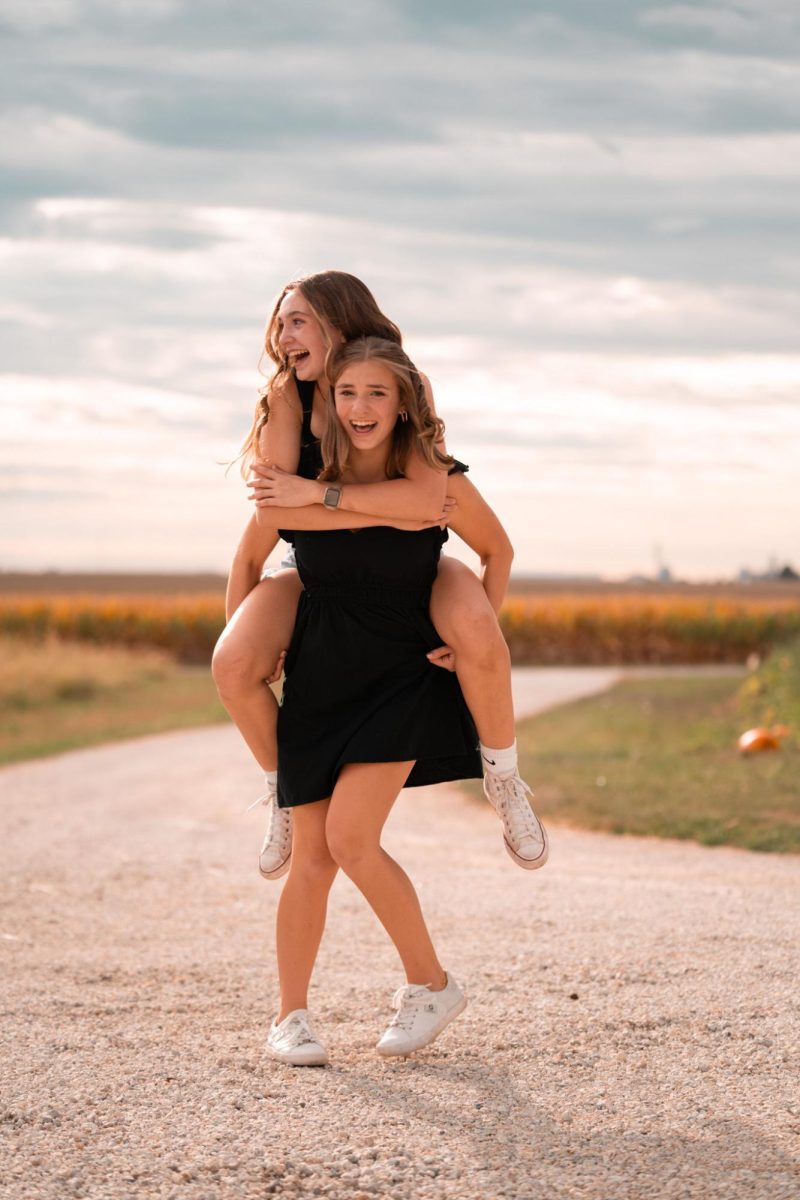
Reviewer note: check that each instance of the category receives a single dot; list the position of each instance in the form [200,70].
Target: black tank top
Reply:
[310,463]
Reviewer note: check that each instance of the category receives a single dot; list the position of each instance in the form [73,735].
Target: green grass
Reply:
[659,757]
[57,696]
[772,694]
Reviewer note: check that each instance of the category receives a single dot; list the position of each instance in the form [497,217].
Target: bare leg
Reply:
[303,905]
[246,654]
[465,620]
[361,802]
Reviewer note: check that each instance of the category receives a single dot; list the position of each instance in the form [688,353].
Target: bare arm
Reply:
[420,496]
[314,516]
[279,440]
[477,525]
[248,561]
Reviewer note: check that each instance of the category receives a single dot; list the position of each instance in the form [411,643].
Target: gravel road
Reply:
[631,1032]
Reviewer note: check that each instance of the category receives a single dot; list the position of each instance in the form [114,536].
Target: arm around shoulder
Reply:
[417,497]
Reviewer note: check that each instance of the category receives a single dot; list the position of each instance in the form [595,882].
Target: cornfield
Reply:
[546,629]
[185,626]
[643,628]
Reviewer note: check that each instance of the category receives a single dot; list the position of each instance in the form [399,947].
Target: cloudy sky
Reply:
[583,215]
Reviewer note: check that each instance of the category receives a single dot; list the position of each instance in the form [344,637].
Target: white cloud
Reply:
[25,314]
[32,137]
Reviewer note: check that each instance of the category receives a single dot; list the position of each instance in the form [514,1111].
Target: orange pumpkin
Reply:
[755,740]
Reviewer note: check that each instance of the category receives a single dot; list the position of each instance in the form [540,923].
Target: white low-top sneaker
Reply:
[294,1041]
[525,835]
[275,855]
[421,1016]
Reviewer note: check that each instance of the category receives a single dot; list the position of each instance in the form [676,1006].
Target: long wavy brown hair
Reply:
[421,431]
[341,303]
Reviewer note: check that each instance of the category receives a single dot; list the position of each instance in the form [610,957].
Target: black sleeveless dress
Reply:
[358,686]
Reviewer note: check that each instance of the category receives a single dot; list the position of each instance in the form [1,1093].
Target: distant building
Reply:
[772,574]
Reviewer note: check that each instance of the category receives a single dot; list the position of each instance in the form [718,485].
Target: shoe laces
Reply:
[410,1000]
[280,826]
[509,798]
[280,820]
[299,1031]
[266,799]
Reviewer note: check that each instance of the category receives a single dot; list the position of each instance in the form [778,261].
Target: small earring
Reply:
[403,415]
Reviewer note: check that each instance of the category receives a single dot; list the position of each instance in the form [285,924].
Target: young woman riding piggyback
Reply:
[312,318]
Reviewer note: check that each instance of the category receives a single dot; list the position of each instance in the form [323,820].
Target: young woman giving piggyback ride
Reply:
[364,711]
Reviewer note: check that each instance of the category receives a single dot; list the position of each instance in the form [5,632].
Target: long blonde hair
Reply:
[341,303]
[421,430]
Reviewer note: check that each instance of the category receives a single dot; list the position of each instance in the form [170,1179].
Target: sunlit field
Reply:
[57,695]
[186,626]
[628,627]
[602,625]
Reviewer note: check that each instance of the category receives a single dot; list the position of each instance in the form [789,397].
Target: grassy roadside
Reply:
[659,757]
[651,757]
[57,696]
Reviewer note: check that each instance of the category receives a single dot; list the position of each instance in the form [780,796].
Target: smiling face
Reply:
[302,338]
[367,396]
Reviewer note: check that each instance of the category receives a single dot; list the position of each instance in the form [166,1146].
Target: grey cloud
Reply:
[749,26]
[198,24]
[614,218]
[759,24]
[284,108]
[242,74]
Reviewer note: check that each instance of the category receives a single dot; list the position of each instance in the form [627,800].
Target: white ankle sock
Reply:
[500,762]
[271,778]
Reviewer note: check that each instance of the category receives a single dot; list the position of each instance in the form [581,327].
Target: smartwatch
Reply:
[332,497]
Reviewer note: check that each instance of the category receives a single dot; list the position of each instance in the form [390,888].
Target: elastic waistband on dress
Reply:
[408,597]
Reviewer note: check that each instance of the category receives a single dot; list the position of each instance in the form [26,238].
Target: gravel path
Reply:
[630,1031]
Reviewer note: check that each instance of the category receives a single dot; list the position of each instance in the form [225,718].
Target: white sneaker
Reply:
[421,1016]
[294,1041]
[275,856]
[525,835]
